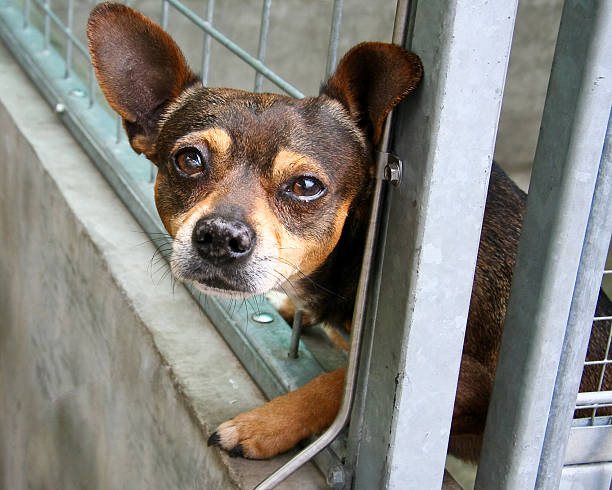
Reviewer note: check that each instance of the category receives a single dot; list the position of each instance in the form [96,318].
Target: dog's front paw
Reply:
[254,435]
[281,423]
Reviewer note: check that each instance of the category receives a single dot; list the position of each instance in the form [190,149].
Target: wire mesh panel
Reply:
[598,365]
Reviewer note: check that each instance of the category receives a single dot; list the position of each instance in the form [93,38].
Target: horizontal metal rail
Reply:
[593,398]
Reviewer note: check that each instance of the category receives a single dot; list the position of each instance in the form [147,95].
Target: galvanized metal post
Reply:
[410,363]
[565,168]
[576,339]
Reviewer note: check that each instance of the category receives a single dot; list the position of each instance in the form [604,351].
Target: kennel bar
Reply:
[415,343]
[576,340]
[334,37]
[568,155]
[263,41]
[210,12]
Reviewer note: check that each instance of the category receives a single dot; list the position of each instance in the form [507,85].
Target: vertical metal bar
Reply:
[27,6]
[210,11]
[47,24]
[576,339]
[92,85]
[68,39]
[118,128]
[334,38]
[408,382]
[565,168]
[296,332]
[164,15]
[263,41]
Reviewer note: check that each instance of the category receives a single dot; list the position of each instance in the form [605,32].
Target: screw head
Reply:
[60,108]
[335,477]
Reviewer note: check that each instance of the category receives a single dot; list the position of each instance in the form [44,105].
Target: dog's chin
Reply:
[221,292]
[213,283]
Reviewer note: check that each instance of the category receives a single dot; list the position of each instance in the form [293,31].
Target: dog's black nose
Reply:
[218,239]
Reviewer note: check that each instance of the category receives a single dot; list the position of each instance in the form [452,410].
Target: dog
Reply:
[263,190]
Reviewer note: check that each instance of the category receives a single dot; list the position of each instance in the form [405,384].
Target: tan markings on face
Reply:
[287,163]
[296,255]
[217,139]
[186,221]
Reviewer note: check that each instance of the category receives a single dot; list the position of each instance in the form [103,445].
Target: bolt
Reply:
[393,172]
[335,477]
[60,108]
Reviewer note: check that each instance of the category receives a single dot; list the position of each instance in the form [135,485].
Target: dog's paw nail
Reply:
[214,439]
[236,451]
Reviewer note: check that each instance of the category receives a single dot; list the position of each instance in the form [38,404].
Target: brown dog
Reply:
[262,190]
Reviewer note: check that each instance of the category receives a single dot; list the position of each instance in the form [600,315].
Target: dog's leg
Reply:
[471,403]
[281,423]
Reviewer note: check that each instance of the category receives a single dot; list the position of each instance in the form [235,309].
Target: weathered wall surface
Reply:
[108,380]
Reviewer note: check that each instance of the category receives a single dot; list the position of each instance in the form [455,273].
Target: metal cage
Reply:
[411,347]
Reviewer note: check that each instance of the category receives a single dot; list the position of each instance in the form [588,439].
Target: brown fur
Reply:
[254,149]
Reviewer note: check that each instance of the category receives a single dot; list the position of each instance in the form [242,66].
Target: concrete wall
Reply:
[108,379]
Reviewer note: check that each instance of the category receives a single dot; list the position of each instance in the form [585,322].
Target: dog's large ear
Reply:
[139,67]
[371,79]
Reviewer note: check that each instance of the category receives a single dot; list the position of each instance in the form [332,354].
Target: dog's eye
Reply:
[305,188]
[189,161]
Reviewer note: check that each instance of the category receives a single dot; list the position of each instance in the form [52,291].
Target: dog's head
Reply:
[254,188]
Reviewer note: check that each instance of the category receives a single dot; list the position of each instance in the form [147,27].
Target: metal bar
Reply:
[441,148]
[68,40]
[334,38]
[579,325]
[93,83]
[263,41]
[237,50]
[164,15]
[562,183]
[27,6]
[47,25]
[210,11]
[296,332]
[416,346]
[118,128]
[597,363]
[593,398]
